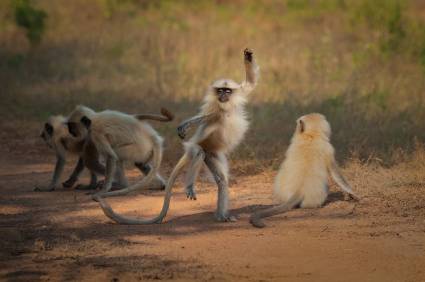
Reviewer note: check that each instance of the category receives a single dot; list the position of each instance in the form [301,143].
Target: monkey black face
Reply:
[47,132]
[223,94]
[86,122]
[73,128]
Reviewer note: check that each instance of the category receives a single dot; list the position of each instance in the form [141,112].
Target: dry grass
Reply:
[361,63]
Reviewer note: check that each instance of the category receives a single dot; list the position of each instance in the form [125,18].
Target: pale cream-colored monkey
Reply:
[303,176]
[221,125]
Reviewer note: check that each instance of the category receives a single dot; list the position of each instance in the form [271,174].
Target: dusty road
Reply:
[63,235]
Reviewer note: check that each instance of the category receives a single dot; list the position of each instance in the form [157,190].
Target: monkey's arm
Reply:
[60,163]
[251,71]
[340,180]
[91,158]
[75,174]
[111,159]
[196,120]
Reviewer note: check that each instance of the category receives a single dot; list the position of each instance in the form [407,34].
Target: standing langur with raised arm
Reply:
[221,125]
[303,176]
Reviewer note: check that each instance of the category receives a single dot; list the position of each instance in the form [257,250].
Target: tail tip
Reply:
[167,113]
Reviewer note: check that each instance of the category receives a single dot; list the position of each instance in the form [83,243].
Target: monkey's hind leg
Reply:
[158,182]
[91,186]
[198,157]
[217,165]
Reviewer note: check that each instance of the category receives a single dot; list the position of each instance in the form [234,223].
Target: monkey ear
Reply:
[49,128]
[86,121]
[302,126]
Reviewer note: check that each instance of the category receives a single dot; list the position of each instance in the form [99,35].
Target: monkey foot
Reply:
[257,222]
[85,187]
[38,189]
[190,193]
[96,197]
[158,185]
[351,197]
[115,185]
[225,218]
[69,183]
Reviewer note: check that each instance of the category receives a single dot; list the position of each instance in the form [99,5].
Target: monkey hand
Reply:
[190,192]
[256,222]
[181,131]
[50,188]
[248,55]
[353,197]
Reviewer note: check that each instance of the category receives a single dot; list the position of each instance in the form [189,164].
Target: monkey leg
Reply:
[109,177]
[75,174]
[120,178]
[217,165]
[197,154]
[60,163]
[158,183]
[91,186]
[91,159]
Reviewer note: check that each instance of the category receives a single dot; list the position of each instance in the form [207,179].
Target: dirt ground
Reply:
[63,235]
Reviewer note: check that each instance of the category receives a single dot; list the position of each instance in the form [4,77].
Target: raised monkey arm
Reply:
[251,71]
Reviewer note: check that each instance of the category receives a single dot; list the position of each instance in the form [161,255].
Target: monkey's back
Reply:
[128,136]
[304,171]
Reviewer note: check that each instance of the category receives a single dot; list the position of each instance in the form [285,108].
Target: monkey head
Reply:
[75,127]
[314,125]
[52,127]
[224,89]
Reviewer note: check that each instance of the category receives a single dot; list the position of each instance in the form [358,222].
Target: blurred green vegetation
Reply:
[359,62]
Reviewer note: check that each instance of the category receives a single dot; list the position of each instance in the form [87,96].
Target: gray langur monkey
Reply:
[303,176]
[221,124]
[56,134]
[121,137]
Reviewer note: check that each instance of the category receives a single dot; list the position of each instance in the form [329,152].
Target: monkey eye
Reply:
[223,90]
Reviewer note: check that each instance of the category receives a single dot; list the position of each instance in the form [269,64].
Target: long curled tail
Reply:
[109,212]
[165,116]
[256,218]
